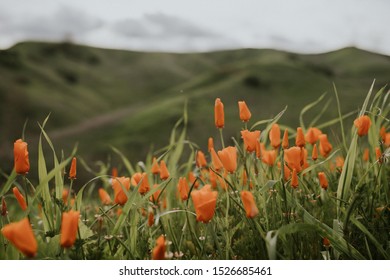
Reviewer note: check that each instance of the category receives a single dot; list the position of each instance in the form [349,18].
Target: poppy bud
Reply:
[210,144]
[69,226]
[72,171]
[204,201]
[363,124]
[21,160]
[249,204]
[300,138]
[3,207]
[323,181]
[274,136]
[20,198]
[104,197]
[158,252]
[183,188]
[285,143]
[245,114]
[314,153]
[228,158]
[250,139]
[219,114]
[155,168]
[164,173]
[294,179]
[200,159]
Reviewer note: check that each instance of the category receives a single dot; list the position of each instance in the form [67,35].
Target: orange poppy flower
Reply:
[104,197]
[158,252]
[204,201]
[274,136]
[269,157]
[312,135]
[20,198]
[325,146]
[292,157]
[217,164]
[382,133]
[228,158]
[259,149]
[366,154]
[155,168]
[210,144]
[250,139]
[219,114]
[304,163]
[314,152]
[387,139]
[21,160]
[363,124]
[245,114]
[144,186]
[183,188]
[69,225]
[222,181]
[300,138]
[249,204]
[213,178]
[323,181]
[164,173]
[136,178]
[119,184]
[200,159]
[21,235]
[72,170]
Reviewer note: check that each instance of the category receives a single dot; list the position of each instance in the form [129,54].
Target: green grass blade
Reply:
[307,108]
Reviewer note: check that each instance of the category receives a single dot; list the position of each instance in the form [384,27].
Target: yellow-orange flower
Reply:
[292,157]
[312,135]
[219,114]
[204,201]
[21,235]
[250,139]
[228,158]
[120,184]
[21,160]
[72,171]
[249,204]
[325,146]
[294,179]
[164,173]
[245,114]
[217,164]
[285,143]
[274,136]
[104,197]
[363,124]
[300,138]
[155,168]
[200,159]
[20,198]
[69,225]
[158,252]
[183,188]
[323,181]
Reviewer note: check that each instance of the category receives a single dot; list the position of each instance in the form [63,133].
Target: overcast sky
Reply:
[305,26]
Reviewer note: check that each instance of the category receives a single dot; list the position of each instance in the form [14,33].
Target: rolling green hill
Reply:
[131,100]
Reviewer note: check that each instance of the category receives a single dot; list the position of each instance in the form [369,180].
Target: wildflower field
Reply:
[278,192]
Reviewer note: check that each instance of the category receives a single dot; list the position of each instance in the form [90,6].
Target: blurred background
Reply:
[117,73]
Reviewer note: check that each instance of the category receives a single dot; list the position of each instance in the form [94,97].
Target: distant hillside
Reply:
[131,100]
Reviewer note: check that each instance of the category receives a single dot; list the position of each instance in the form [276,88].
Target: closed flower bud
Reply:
[285,143]
[210,144]
[217,164]
[104,197]
[312,135]
[292,157]
[200,159]
[155,168]
[249,204]
[21,160]
[144,186]
[323,181]
[3,207]
[269,157]
[362,124]
[20,198]
[120,185]
[21,235]
[150,218]
[274,136]
[325,146]
[294,179]
[183,188]
[366,154]
[73,167]
[164,173]
[69,226]
[314,152]
[219,114]
[300,138]
[245,114]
